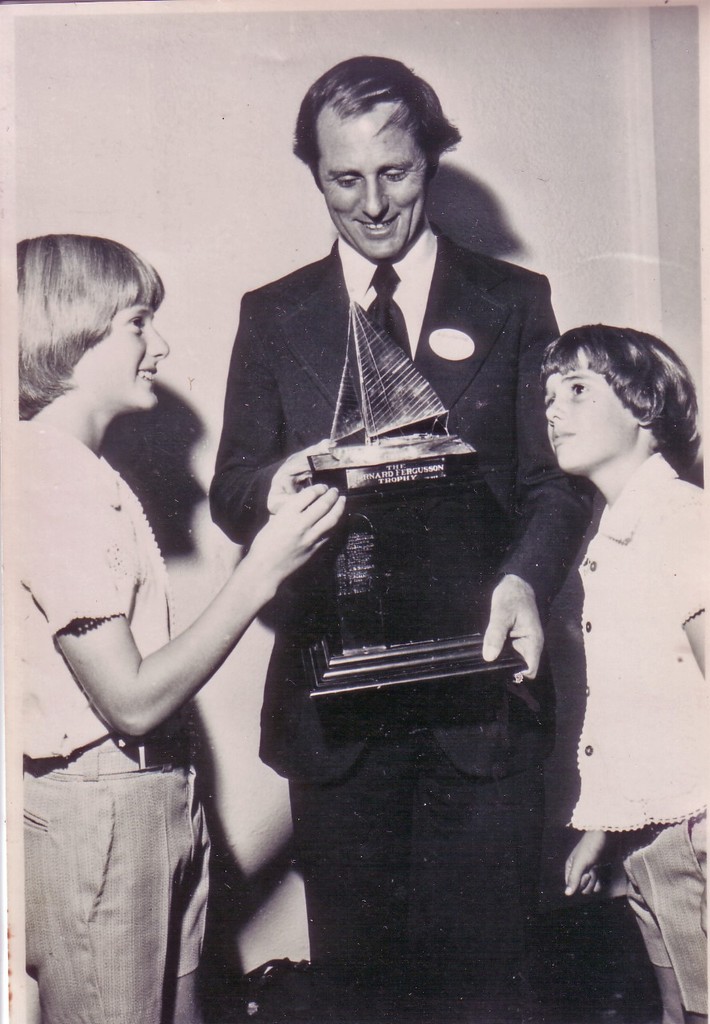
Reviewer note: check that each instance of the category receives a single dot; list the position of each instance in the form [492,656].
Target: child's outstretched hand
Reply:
[581,874]
[297,530]
[291,474]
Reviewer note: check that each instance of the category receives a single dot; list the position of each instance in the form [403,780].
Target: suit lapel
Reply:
[316,326]
[459,300]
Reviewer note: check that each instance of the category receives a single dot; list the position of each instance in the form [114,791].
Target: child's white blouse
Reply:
[643,753]
[86,552]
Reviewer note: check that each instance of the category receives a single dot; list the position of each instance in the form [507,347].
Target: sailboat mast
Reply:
[365,407]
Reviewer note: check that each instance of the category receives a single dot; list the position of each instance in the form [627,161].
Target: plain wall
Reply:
[171,132]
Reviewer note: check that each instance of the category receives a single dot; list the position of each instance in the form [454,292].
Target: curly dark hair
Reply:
[645,374]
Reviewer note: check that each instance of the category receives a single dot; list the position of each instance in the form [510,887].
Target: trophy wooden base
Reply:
[406,664]
[428,685]
[415,563]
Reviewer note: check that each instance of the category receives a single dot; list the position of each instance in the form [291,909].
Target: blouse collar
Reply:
[641,492]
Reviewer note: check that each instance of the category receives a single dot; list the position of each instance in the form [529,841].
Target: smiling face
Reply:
[592,432]
[374,177]
[116,375]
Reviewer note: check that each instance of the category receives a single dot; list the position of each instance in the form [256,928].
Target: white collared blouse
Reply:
[643,752]
[86,552]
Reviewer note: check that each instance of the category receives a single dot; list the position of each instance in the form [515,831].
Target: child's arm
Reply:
[134,695]
[695,631]
[581,865]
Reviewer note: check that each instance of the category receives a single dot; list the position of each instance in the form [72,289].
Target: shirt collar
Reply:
[77,459]
[619,521]
[358,270]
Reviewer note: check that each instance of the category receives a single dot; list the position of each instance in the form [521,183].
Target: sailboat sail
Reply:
[381,391]
[348,417]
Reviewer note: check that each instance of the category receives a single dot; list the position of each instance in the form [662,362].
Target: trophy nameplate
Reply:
[421,542]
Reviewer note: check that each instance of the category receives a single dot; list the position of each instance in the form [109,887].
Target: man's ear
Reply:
[432,168]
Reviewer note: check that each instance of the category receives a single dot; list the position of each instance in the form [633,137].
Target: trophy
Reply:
[422,540]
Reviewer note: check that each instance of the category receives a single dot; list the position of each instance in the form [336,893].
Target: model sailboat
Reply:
[386,409]
[381,391]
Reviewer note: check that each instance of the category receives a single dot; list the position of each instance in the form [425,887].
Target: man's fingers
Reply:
[493,640]
[526,646]
[530,651]
[320,447]
[514,614]
[297,466]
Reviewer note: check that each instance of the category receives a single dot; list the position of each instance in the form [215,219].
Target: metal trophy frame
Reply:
[421,543]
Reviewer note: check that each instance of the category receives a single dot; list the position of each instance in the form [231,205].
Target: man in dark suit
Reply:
[419,844]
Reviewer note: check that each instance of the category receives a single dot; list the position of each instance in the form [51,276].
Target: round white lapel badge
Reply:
[449,343]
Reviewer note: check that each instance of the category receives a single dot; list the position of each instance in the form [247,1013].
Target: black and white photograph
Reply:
[353,540]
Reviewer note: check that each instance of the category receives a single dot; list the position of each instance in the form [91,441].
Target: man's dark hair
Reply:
[647,377]
[357,85]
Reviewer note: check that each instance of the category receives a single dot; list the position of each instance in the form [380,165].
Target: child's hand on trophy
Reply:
[293,474]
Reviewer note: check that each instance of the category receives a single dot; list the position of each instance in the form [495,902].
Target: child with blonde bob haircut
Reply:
[116,849]
[622,412]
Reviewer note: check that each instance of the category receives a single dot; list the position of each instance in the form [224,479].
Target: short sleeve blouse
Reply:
[87,552]
[643,750]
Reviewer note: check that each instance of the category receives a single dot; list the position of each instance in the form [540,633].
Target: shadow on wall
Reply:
[235,898]
[151,451]
[466,210]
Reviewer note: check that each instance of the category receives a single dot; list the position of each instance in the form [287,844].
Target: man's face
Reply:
[374,179]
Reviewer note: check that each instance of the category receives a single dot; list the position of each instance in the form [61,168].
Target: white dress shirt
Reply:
[415,272]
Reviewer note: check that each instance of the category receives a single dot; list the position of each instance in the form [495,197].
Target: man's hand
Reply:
[581,866]
[294,471]
[514,613]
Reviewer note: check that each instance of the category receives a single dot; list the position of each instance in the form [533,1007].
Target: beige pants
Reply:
[116,890]
[666,889]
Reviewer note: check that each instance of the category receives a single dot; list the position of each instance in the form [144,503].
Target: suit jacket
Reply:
[281,394]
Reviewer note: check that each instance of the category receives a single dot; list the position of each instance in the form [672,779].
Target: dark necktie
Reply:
[384,310]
